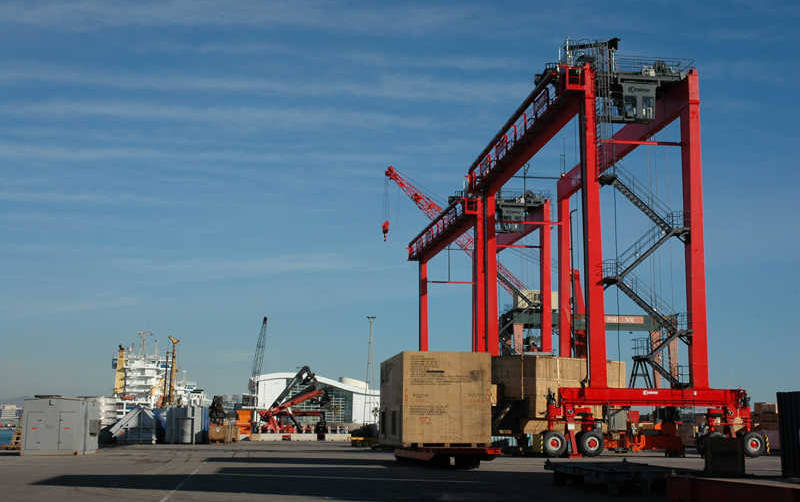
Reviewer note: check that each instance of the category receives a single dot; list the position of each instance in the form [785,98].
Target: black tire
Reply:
[590,443]
[554,444]
[754,444]
[440,461]
[701,441]
[467,462]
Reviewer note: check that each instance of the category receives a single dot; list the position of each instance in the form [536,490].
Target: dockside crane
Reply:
[251,399]
[508,281]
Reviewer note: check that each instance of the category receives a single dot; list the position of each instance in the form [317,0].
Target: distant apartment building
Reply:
[9,414]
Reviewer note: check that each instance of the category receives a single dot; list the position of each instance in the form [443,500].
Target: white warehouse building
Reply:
[350,401]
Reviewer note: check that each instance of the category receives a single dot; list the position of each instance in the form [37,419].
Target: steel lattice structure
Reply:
[656,93]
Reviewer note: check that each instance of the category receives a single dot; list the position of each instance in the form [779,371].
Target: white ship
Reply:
[142,378]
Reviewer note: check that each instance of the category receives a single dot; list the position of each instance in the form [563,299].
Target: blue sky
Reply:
[188,167]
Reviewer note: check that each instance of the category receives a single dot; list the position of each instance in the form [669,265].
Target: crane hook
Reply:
[385,228]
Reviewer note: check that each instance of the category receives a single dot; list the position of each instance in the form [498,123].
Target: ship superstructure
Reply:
[141,377]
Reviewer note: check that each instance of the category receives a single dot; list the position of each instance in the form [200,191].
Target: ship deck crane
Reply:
[173,373]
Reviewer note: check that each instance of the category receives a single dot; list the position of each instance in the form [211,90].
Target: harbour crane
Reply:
[258,364]
[508,281]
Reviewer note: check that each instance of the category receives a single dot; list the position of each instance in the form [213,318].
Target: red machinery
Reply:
[600,88]
[280,418]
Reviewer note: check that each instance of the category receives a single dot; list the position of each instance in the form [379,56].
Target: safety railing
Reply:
[644,193]
[644,244]
[535,106]
[449,215]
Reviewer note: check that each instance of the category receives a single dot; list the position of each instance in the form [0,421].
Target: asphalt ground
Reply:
[298,472]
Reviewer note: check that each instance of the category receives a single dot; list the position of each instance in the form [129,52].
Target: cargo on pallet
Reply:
[530,378]
[226,433]
[436,399]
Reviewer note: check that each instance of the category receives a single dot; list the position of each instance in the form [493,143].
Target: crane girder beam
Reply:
[560,112]
[508,281]
[451,231]
[682,398]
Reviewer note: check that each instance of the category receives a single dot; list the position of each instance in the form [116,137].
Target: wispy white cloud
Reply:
[335,16]
[393,86]
[194,160]
[448,61]
[103,198]
[222,117]
[21,308]
[201,269]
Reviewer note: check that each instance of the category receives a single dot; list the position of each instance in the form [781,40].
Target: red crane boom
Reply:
[508,281]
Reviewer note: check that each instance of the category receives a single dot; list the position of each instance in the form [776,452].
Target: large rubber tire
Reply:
[754,444]
[467,462]
[554,444]
[590,443]
[701,441]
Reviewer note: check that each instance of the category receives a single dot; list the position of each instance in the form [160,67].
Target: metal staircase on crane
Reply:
[618,272]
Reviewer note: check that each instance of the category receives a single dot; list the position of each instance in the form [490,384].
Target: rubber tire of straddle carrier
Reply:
[750,438]
[549,449]
[467,462]
[590,443]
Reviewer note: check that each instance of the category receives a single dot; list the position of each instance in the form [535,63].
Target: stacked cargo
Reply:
[436,399]
[765,420]
[529,379]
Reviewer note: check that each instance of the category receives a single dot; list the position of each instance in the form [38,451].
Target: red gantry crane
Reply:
[515,287]
[620,104]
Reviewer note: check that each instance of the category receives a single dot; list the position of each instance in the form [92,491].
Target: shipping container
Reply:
[55,425]
[789,427]
[436,399]
[187,425]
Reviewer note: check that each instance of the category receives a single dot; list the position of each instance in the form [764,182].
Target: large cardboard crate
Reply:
[530,378]
[436,399]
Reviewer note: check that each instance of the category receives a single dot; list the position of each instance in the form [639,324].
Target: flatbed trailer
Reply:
[614,475]
[463,457]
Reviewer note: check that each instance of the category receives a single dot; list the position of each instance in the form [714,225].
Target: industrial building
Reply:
[350,400]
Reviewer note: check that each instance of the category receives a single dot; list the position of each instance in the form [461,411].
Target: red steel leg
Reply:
[564,280]
[695,249]
[579,341]
[545,283]
[655,339]
[423,306]
[490,274]
[479,283]
[592,238]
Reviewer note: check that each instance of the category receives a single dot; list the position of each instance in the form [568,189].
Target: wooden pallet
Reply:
[445,445]
[16,440]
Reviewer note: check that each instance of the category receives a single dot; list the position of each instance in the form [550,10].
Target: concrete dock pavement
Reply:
[292,471]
